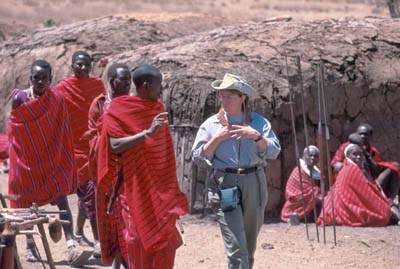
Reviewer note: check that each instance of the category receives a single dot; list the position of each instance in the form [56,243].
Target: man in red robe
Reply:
[293,194]
[42,165]
[135,128]
[98,107]
[357,200]
[79,91]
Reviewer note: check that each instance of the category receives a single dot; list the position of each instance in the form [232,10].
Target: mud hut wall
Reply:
[101,37]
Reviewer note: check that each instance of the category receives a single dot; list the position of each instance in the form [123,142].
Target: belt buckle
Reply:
[241,171]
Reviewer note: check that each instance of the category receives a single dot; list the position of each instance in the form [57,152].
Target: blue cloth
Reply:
[232,152]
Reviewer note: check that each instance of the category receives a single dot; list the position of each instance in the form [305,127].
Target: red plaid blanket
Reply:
[293,201]
[42,165]
[79,94]
[357,201]
[150,183]
[3,147]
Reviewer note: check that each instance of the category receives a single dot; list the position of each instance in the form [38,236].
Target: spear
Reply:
[328,156]
[321,149]
[307,143]
[296,147]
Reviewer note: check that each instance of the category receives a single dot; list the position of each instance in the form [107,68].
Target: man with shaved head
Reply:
[110,225]
[79,90]
[136,144]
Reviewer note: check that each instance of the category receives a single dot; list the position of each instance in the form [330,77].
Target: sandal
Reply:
[82,240]
[78,257]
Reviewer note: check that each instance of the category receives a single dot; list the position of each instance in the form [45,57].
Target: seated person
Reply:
[293,198]
[357,200]
[387,174]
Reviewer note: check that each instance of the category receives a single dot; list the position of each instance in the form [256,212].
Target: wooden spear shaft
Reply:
[298,62]
[328,156]
[321,149]
[296,147]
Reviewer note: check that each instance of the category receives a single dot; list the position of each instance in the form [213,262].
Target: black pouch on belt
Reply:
[230,198]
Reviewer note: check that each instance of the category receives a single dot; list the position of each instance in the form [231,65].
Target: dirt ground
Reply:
[279,246]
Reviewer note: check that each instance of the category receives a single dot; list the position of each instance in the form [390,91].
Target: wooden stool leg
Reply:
[17,262]
[46,245]
[1,252]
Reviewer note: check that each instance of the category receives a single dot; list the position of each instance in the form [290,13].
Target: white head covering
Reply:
[346,151]
[310,147]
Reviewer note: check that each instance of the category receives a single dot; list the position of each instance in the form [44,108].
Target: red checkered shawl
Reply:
[357,201]
[293,201]
[79,94]
[42,165]
[150,182]
[3,147]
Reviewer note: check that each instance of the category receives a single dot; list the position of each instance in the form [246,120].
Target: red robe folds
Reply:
[3,147]
[96,110]
[153,198]
[79,94]
[357,201]
[42,164]
[293,201]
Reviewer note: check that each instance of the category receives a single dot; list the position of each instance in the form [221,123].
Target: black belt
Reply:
[241,171]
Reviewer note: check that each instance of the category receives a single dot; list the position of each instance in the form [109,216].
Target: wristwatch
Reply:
[258,138]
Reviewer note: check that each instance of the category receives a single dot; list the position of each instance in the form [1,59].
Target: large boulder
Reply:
[361,58]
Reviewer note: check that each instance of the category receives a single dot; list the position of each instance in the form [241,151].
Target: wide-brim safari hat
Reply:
[233,82]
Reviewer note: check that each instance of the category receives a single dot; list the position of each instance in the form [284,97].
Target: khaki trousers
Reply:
[241,226]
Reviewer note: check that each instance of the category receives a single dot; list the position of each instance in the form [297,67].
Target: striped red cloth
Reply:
[357,201]
[293,201]
[95,112]
[3,147]
[42,165]
[375,154]
[137,256]
[150,182]
[112,226]
[79,94]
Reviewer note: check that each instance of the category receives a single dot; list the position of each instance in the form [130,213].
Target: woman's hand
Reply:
[158,122]
[223,134]
[244,132]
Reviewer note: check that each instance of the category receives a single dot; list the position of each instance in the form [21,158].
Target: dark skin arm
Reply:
[375,170]
[120,145]
[14,102]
